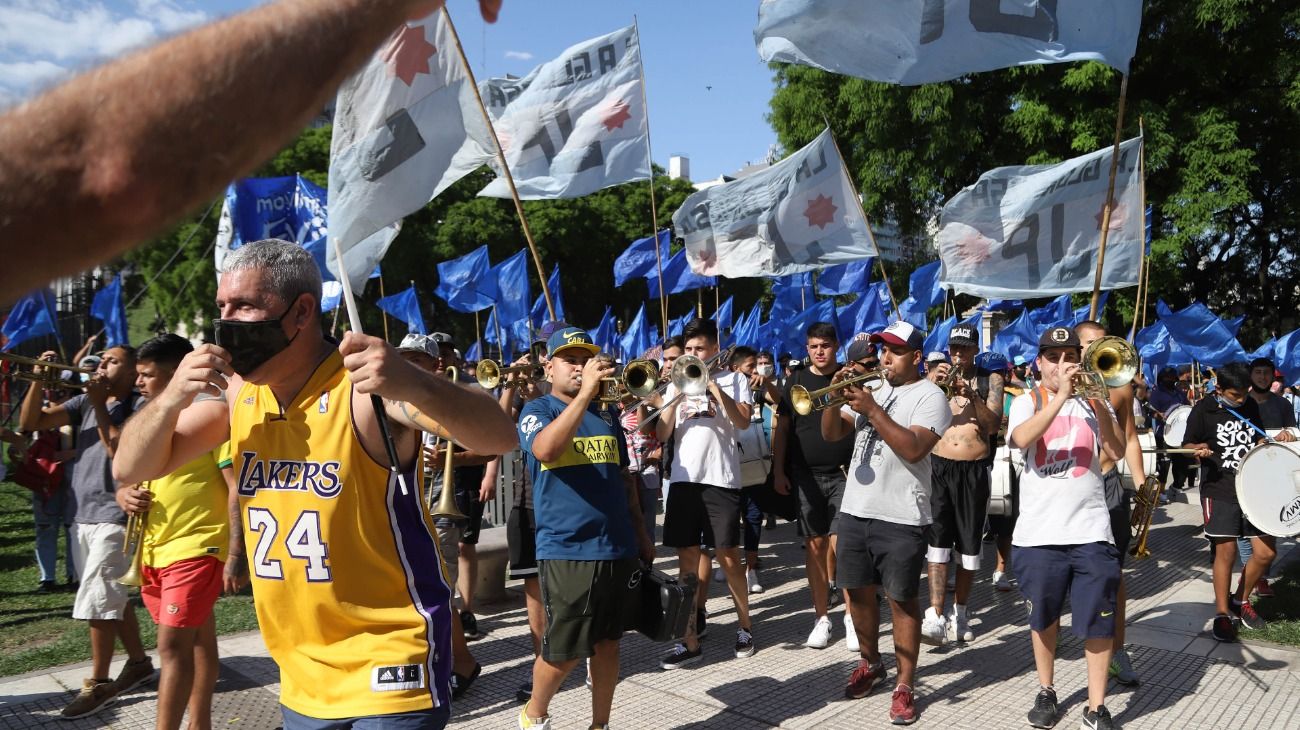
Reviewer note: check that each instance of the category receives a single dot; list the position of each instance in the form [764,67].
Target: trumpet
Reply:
[1110,362]
[490,374]
[133,546]
[640,379]
[50,377]
[946,382]
[806,401]
[446,506]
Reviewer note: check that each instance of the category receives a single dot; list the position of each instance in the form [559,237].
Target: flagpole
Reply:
[478,332]
[501,343]
[699,302]
[505,168]
[1110,198]
[1144,262]
[382,311]
[654,210]
[880,260]
[334,326]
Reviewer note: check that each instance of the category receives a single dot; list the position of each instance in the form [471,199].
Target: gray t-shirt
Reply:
[92,471]
[882,486]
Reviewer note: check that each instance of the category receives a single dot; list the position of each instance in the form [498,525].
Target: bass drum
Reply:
[1176,426]
[1000,481]
[1268,488]
[1147,440]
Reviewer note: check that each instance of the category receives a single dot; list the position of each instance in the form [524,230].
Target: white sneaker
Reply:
[719,576]
[850,634]
[820,637]
[934,628]
[1000,581]
[959,629]
[751,576]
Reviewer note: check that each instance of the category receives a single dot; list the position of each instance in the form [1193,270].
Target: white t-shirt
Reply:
[882,486]
[704,438]
[1062,500]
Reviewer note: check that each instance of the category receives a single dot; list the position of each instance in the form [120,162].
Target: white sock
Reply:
[959,611]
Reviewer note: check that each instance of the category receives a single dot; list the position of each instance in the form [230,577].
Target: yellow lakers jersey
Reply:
[350,595]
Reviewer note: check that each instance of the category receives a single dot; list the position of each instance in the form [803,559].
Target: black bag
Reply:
[662,606]
[769,501]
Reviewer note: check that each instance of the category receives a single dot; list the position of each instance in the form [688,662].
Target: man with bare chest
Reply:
[960,487]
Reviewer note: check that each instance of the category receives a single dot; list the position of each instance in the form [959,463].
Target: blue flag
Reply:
[1234,324]
[31,316]
[108,308]
[1020,337]
[638,338]
[539,314]
[913,312]
[1201,333]
[678,325]
[475,352]
[678,277]
[1267,350]
[639,259]
[937,340]
[868,313]
[794,331]
[405,305]
[722,317]
[791,294]
[1147,250]
[606,333]
[1004,305]
[1081,314]
[746,330]
[507,286]
[457,279]
[1056,312]
[495,334]
[923,285]
[1286,356]
[847,278]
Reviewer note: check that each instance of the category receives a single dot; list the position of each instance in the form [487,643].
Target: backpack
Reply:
[39,471]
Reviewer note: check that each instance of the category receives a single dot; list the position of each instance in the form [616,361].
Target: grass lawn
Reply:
[1282,611]
[37,631]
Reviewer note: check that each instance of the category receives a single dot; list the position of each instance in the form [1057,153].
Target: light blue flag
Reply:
[405,305]
[925,41]
[606,333]
[794,331]
[1019,338]
[846,278]
[937,340]
[637,338]
[677,326]
[506,284]
[914,313]
[1201,333]
[475,352]
[539,313]
[109,309]
[722,318]
[1054,313]
[678,277]
[746,329]
[1268,350]
[640,260]
[457,281]
[797,215]
[923,285]
[1234,324]
[1286,356]
[495,334]
[31,316]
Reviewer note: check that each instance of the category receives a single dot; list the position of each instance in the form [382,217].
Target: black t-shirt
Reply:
[806,448]
[1228,437]
[1275,411]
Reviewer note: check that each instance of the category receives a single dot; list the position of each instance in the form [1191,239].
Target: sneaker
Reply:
[1000,581]
[1246,614]
[934,628]
[469,625]
[133,675]
[532,723]
[1223,628]
[958,629]
[680,656]
[525,692]
[864,677]
[1263,589]
[93,697]
[47,586]
[751,577]
[745,643]
[719,576]
[902,710]
[1099,720]
[460,683]
[820,637]
[1121,668]
[1044,713]
[850,634]
[701,624]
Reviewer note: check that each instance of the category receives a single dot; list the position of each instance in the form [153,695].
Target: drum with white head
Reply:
[1268,488]
[1176,426]
[1004,460]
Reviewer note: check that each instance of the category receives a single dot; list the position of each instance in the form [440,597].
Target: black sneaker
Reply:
[1044,713]
[701,624]
[1246,614]
[461,684]
[469,625]
[525,692]
[744,643]
[47,586]
[680,656]
[1223,628]
[1099,720]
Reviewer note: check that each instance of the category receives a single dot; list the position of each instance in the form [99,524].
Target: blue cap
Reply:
[570,337]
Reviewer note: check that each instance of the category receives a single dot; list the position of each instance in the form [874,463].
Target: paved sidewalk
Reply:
[1189,680]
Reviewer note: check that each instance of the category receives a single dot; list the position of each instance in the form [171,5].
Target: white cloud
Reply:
[24,74]
[519,55]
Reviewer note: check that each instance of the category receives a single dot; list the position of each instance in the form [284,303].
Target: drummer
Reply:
[1223,428]
[1166,397]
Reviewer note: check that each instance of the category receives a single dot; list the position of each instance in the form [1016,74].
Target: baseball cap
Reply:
[415,342]
[89,361]
[570,337]
[936,356]
[1058,337]
[1019,360]
[439,338]
[963,334]
[901,333]
[548,329]
[861,348]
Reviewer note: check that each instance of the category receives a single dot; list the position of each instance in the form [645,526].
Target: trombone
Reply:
[51,376]
[690,375]
[1110,362]
[806,401]
[133,546]
[446,507]
[640,379]
[490,374]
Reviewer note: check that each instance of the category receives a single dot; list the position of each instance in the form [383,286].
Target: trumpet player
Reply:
[96,418]
[185,550]
[882,526]
[960,478]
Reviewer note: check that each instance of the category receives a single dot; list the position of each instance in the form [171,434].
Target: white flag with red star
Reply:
[798,215]
[1028,231]
[575,124]
[406,126]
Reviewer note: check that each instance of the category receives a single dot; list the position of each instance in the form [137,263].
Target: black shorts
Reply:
[1121,516]
[1224,518]
[586,601]
[820,495]
[521,542]
[1005,525]
[875,552]
[693,509]
[959,499]
[1088,574]
[469,505]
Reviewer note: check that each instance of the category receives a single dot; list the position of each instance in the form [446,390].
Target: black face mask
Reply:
[251,344]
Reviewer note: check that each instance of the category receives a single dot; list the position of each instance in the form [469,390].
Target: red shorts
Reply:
[182,594]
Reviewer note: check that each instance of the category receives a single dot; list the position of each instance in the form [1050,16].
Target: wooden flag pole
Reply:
[501,343]
[334,325]
[478,331]
[654,211]
[1144,262]
[505,169]
[381,296]
[1110,199]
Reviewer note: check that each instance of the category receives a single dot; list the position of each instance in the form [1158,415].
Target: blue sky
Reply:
[707,89]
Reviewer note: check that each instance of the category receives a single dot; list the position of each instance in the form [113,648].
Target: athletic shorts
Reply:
[586,602]
[449,549]
[521,539]
[468,529]
[182,594]
[1121,517]
[820,495]
[694,508]
[99,553]
[875,552]
[1088,574]
[959,499]
[432,719]
[1224,518]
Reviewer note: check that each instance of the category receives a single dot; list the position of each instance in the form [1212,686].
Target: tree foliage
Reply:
[1216,85]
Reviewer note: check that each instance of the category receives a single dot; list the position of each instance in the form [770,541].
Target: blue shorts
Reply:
[1088,574]
[432,719]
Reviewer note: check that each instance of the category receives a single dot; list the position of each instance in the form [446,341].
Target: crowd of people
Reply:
[260,459]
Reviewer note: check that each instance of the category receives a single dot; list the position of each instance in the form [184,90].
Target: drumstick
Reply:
[1169,451]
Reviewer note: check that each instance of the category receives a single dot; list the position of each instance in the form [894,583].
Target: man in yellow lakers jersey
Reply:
[589,528]
[343,558]
[186,541]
